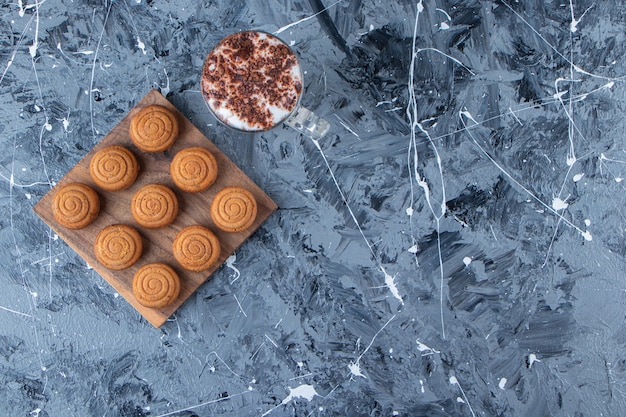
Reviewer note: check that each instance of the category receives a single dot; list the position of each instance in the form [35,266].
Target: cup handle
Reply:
[305,121]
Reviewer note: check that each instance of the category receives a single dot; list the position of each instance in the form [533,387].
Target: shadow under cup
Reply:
[252,81]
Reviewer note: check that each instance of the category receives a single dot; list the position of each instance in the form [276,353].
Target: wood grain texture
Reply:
[193,209]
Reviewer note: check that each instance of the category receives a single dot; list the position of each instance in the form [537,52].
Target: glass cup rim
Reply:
[300,71]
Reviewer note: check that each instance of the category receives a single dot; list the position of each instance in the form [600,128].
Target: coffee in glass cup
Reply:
[252,81]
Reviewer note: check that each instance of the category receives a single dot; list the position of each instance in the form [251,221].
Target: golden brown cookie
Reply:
[154,129]
[233,209]
[118,246]
[156,285]
[193,169]
[114,168]
[154,206]
[196,248]
[75,205]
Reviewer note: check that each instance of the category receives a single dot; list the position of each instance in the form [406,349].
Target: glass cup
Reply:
[252,81]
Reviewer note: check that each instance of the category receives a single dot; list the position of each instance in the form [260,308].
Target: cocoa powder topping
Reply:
[253,77]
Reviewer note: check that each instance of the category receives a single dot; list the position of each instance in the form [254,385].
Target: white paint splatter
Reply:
[33,49]
[445,14]
[578,177]
[587,222]
[587,236]
[413,249]
[240,306]
[66,123]
[390,282]
[573,26]
[515,117]
[532,358]
[502,384]
[141,45]
[558,204]
[444,26]
[348,128]
[271,341]
[355,369]
[409,211]
[467,260]
[427,349]
[230,263]
[165,90]
[304,391]
[14,311]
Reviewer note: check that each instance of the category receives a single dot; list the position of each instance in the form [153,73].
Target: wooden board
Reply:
[194,209]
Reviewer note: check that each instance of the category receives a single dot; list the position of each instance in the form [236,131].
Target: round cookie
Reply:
[193,169]
[75,205]
[196,248]
[114,168]
[154,129]
[233,209]
[156,285]
[118,246]
[154,206]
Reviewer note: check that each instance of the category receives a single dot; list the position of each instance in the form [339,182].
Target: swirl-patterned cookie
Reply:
[233,209]
[156,285]
[154,206]
[118,246]
[114,168]
[196,248]
[154,129]
[75,205]
[193,169]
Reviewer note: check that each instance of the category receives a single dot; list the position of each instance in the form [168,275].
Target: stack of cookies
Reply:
[154,206]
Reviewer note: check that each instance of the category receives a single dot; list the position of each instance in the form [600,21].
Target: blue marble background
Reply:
[455,247]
